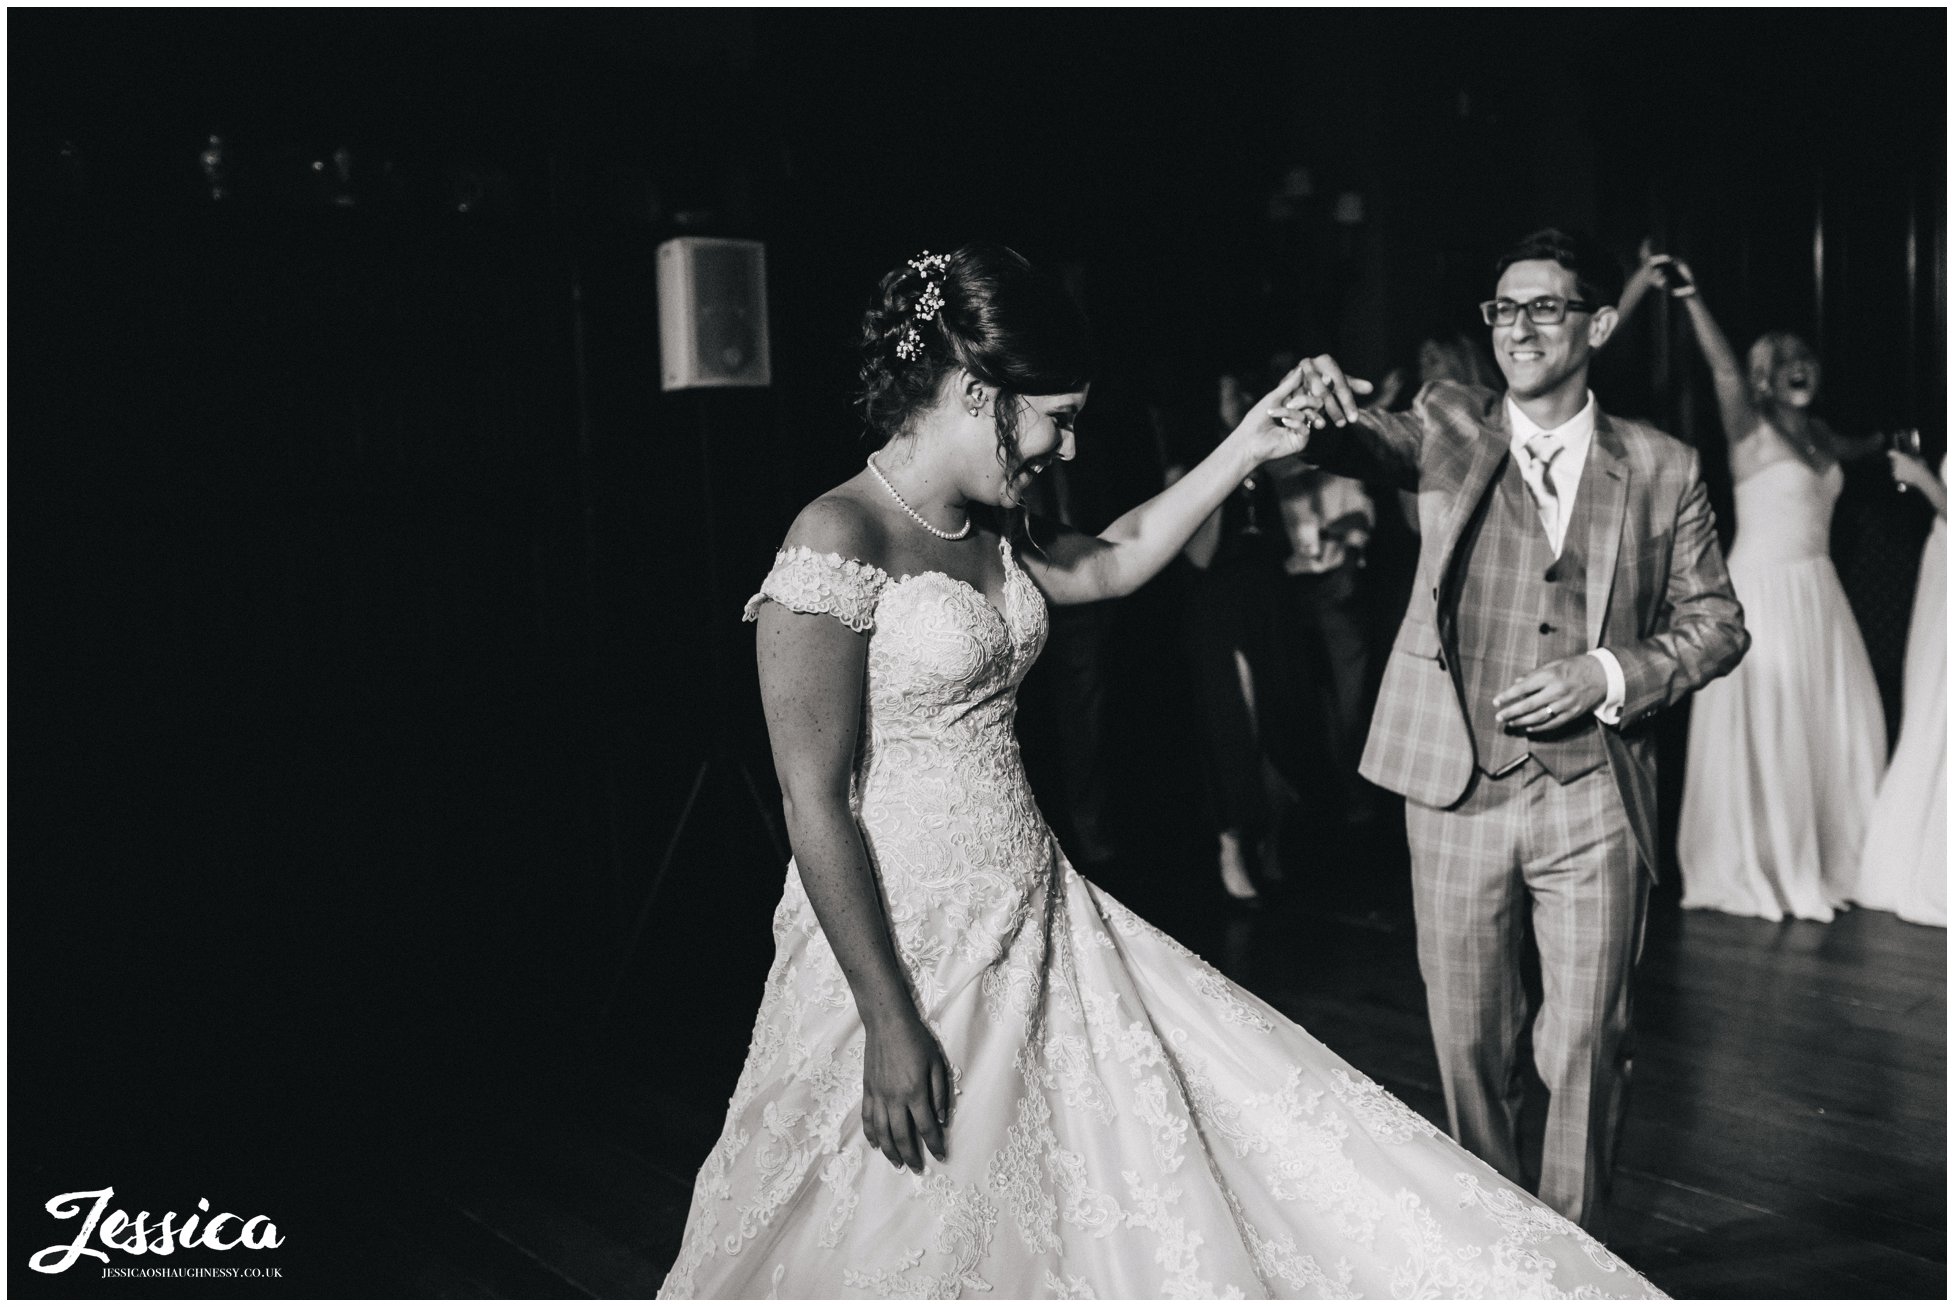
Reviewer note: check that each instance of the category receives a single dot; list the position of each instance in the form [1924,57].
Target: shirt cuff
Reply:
[1610,711]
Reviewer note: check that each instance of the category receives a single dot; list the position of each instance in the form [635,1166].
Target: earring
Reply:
[976,410]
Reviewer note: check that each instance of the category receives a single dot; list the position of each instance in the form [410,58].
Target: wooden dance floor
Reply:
[1786,1139]
[1787,1132]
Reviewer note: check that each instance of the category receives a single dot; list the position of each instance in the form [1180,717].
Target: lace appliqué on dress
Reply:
[1379,1111]
[807,582]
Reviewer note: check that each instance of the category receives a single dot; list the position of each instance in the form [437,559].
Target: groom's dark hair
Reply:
[1597,272]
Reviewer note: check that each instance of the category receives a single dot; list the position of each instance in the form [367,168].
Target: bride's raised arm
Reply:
[1075,568]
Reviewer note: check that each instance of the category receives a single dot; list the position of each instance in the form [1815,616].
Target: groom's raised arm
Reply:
[1365,442]
[1701,635]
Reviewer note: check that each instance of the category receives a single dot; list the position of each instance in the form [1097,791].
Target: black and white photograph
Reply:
[862,653]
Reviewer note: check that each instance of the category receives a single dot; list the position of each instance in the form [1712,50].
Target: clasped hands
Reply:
[1322,395]
[1666,272]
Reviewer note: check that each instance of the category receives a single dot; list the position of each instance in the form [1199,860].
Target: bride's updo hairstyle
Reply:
[985,309]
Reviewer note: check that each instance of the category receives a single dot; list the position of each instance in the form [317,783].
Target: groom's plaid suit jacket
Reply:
[1658,596]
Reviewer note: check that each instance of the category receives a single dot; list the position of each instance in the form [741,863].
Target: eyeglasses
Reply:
[1543,311]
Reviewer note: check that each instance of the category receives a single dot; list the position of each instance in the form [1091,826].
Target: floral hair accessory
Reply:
[932,267]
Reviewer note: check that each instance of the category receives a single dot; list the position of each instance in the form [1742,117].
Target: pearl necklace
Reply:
[920,519]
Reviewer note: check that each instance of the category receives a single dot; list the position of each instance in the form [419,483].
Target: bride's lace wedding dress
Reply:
[1127,1122]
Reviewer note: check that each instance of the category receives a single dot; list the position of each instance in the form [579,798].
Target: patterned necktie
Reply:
[1543,449]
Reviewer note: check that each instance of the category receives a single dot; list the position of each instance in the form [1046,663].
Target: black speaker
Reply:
[712,313]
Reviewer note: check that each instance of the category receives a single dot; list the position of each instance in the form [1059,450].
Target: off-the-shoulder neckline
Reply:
[1004,550]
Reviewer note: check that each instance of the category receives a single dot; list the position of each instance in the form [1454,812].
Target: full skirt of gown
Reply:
[1904,866]
[1126,1122]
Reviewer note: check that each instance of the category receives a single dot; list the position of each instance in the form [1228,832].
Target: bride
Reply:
[973,1072]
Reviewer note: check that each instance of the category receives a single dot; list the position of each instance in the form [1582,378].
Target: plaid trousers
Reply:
[1516,851]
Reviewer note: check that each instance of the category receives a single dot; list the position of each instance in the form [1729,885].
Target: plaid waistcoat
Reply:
[1518,608]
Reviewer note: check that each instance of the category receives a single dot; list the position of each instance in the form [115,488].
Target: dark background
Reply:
[373,610]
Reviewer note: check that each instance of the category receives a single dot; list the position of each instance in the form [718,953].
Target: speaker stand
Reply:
[721,757]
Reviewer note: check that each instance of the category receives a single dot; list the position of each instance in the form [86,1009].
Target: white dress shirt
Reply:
[1574,437]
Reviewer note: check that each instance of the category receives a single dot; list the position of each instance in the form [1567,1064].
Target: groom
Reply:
[1569,587]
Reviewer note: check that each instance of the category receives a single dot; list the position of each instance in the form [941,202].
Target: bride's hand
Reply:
[1279,424]
[905,1092]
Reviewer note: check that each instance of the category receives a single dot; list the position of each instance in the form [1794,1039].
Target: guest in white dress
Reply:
[973,1073]
[1784,753]
[1904,867]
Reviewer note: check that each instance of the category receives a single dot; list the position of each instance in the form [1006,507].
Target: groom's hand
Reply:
[1550,697]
